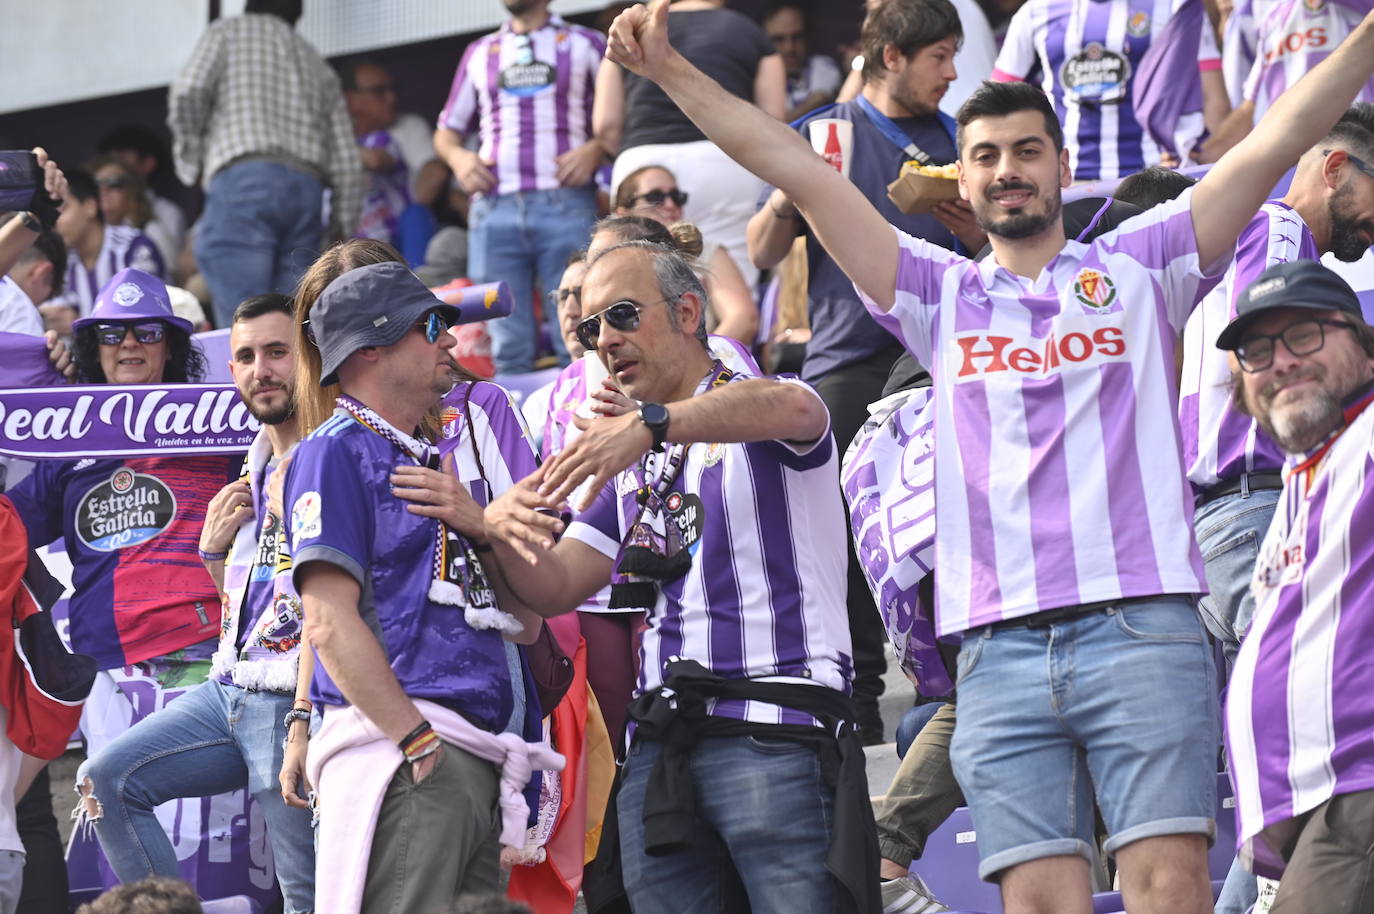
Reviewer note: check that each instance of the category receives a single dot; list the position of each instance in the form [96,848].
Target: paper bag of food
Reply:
[919,187]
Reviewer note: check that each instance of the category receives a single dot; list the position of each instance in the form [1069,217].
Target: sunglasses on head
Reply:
[622,316]
[657,197]
[114,334]
[433,324]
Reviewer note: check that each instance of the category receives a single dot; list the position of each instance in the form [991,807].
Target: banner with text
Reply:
[103,420]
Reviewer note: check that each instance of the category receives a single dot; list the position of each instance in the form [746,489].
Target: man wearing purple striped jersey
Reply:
[1062,540]
[1232,464]
[526,92]
[95,252]
[1083,53]
[1299,713]
[714,506]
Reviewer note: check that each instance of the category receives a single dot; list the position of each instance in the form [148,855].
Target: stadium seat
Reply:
[949,867]
[237,904]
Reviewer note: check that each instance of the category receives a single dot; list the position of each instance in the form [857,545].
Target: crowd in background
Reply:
[507,667]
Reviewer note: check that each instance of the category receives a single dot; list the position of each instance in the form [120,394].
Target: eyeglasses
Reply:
[114,334]
[1302,338]
[622,316]
[657,197]
[433,324]
[112,183]
[1360,164]
[558,296]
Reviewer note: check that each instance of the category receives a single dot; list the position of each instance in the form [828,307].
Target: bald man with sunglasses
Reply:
[714,507]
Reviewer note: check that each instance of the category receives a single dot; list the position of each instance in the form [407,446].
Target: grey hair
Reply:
[676,277]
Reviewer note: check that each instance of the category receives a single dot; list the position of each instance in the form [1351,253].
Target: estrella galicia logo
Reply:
[526,79]
[127,509]
[688,515]
[1096,74]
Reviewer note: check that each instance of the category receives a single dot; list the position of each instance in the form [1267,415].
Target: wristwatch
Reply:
[31,222]
[655,417]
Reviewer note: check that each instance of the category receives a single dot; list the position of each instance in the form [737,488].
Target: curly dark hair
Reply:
[185,360]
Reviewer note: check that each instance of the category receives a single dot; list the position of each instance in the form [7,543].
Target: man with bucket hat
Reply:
[405,613]
[1298,709]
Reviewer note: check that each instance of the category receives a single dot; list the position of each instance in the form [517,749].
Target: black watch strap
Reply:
[655,418]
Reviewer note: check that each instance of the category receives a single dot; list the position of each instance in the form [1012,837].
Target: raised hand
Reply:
[606,446]
[523,519]
[638,38]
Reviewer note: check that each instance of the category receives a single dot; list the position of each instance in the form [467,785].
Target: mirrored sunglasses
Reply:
[114,334]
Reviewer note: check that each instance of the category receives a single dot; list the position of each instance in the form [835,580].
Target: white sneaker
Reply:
[909,895]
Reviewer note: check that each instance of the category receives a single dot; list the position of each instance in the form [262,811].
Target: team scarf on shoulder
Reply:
[458,576]
[652,553]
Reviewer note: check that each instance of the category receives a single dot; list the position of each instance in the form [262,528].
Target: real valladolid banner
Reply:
[102,420]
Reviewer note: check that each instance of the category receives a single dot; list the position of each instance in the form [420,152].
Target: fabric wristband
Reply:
[212,556]
[294,715]
[419,742]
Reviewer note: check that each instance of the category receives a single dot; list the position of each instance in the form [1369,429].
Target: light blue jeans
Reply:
[524,240]
[260,230]
[764,811]
[1118,704]
[213,739]
[1230,530]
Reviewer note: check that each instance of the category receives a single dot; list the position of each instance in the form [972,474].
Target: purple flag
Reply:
[1168,85]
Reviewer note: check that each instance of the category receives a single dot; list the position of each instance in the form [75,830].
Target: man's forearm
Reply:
[770,231]
[754,410]
[15,239]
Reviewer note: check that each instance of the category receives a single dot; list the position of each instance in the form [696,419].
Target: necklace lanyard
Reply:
[894,134]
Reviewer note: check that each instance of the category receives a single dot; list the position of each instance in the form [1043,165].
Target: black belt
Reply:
[1245,482]
[1046,618]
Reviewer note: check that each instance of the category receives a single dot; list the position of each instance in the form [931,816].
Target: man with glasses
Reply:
[526,91]
[1298,708]
[715,505]
[404,612]
[228,732]
[371,97]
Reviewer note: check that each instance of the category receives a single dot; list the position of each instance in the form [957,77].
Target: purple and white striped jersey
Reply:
[1059,474]
[530,98]
[1240,45]
[1293,37]
[888,479]
[1300,703]
[1083,54]
[1219,442]
[124,246]
[764,598]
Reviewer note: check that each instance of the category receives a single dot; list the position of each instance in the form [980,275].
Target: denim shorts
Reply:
[1119,704]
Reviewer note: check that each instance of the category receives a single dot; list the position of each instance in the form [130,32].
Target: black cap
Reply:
[373,305]
[1297,284]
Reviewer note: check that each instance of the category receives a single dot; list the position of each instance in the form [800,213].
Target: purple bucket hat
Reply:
[133,295]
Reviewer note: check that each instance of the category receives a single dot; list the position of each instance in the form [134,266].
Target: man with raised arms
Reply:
[1066,557]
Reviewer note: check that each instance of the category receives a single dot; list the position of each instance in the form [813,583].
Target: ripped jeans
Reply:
[213,739]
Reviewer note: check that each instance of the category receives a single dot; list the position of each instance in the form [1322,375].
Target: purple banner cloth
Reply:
[102,420]
[1168,85]
[25,362]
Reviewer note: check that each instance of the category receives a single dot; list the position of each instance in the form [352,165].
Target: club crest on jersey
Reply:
[449,417]
[1139,24]
[714,454]
[1094,290]
[1314,7]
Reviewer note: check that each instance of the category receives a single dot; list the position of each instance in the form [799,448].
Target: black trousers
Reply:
[847,392]
[45,868]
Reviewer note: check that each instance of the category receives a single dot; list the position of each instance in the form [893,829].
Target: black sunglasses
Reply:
[622,316]
[656,197]
[1302,338]
[114,334]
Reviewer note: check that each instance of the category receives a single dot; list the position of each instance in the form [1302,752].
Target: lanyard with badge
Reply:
[894,134]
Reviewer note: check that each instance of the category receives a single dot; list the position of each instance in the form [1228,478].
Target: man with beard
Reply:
[1066,557]
[1234,467]
[1298,712]
[228,732]
[909,48]
[526,91]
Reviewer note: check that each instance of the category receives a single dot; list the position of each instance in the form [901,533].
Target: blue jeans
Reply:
[213,739]
[516,239]
[764,812]
[260,230]
[1118,703]
[1230,530]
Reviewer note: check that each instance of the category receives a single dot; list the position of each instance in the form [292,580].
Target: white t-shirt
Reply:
[18,313]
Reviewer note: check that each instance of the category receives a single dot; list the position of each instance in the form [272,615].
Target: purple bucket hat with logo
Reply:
[133,295]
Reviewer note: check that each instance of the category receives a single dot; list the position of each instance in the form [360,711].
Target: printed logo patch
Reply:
[449,418]
[127,509]
[305,516]
[1096,74]
[127,294]
[1094,290]
[687,515]
[714,454]
[1139,24]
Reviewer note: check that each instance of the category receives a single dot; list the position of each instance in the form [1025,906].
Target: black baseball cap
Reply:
[373,305]
[1296,284]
